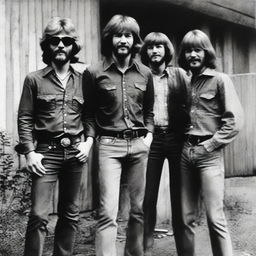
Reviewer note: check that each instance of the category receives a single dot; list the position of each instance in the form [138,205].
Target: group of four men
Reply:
[138,117]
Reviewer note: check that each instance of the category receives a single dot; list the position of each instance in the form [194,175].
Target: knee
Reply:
[69,215]
[37,222]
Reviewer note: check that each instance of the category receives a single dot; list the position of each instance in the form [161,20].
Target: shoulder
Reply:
[142,68]
[94,68]
[222,78]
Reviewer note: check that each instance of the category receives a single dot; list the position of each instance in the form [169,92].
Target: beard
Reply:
[157,62]
[121,53]
[60,57]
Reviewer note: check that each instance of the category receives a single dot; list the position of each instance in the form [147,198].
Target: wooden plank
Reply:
[32,36]
[15,65]
[38,32]
[3,65]
[240,12]
[228,52]
[54,8]
[87,35]
[95,32]
[252,52]
[240,156]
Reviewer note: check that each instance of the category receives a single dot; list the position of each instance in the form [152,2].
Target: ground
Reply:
[240,208]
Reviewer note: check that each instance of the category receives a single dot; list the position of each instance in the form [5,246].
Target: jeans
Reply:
[165,145]
[203,171]
[60,165]
[116,156]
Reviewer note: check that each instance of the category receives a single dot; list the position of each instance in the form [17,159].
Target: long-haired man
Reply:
[216,118]
[54,137]
[170,119]
[122,96]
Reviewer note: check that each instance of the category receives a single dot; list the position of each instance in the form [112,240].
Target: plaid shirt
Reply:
[161,117]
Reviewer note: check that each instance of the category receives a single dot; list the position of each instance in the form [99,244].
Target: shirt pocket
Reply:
[209,101]
[77,103]
[46,102]
[140,86]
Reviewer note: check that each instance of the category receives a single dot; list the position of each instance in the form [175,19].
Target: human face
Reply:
[156,54]
[61,48]
[122,44]
[195,58]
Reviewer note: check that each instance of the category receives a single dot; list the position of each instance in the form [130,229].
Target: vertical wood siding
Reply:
[21,26]
[240,155]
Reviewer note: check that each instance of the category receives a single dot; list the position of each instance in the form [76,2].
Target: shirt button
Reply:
[191,126]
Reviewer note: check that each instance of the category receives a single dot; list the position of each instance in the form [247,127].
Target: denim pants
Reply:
[60,165]
[203,172]
[116,156]
[165,145]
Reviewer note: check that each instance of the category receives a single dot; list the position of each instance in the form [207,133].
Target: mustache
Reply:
[59,51]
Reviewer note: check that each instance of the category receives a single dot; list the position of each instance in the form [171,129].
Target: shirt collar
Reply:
[108,62]
[49,69]
[209,72]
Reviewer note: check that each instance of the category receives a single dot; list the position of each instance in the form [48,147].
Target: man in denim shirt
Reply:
[216,118]
[121,95]
[52,128]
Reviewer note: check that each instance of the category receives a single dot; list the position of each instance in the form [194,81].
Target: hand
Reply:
[34,163]
[84,148]
[148,139]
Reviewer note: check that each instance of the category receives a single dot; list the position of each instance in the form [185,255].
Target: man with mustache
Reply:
[55,138]
[121,95]
[216,118]
[170,119]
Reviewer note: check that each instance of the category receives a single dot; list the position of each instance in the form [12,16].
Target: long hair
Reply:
[157,38]
[117,24]
[54,27]
[197,39]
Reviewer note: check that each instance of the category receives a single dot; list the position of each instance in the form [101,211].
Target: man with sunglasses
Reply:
[55,138]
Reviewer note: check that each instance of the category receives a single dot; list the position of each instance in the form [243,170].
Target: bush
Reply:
[14,197]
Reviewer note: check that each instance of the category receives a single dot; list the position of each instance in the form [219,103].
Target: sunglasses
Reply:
[55,40]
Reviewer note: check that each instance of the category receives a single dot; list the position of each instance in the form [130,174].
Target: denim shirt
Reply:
[119,100]
[215,109]
[47,108]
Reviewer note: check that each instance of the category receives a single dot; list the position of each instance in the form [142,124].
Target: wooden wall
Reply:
[22,23]
[240,155]
[21,26]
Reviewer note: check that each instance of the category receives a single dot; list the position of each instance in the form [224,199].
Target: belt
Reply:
[195,140]
[125,134]
[63,141]
[162,129]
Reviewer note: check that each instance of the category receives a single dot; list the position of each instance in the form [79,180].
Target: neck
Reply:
[61,69]
[157,69]
[196,72]
[122,63]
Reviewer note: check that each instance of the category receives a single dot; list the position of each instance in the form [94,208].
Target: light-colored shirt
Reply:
[161,90]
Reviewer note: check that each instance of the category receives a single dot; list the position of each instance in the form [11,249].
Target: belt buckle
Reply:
[65,142]
[127,134]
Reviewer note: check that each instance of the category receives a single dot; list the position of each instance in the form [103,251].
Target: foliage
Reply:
[14,196]
[14,183]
